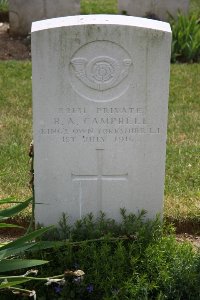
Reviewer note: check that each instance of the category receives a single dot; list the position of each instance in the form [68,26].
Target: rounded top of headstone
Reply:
[100,20]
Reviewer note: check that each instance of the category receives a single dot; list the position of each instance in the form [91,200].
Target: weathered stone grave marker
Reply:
[23,12]
[159,9]
[100,97]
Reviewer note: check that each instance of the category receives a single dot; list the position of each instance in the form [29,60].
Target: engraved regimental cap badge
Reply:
[100,71]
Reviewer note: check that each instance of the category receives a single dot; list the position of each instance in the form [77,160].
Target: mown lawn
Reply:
[15,127]
[182,192]
[99,7]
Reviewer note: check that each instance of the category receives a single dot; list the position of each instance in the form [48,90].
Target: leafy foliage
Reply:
[3,5]
[135,259]
[186,38]
[9,252]
[89,228]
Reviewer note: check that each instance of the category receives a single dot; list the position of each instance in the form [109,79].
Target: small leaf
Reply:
[13,251]
[7,265]
[29,237]
[9,212]
[9,200]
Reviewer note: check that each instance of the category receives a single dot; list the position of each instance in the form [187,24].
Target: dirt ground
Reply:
[13,48]
[19,49]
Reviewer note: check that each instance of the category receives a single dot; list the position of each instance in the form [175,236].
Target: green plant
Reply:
[90,228]
[3,6]
[186,38]
[9,252]
[12,255]
[134,259]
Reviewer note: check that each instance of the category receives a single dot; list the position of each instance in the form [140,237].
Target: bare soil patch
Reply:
[16,48]
[185,237]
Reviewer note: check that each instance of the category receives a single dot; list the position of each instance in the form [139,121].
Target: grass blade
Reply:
[26,238]
[9,200]
[9,212]
[5,225]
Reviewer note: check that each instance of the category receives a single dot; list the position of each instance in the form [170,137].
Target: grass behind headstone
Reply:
[15,128]
[183,151]
[99,7]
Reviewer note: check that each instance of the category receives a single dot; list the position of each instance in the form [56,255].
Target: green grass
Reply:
[182,192]
[195,6]
[15,128]
[183,151]
[99,7]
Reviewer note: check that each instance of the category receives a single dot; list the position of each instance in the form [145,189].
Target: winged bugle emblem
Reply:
[102,72]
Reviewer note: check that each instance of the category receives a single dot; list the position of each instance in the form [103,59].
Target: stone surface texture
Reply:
[100,101]
[23,12]
[159,9]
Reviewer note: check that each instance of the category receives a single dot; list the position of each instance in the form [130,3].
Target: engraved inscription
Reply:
[99,125]
[100,71]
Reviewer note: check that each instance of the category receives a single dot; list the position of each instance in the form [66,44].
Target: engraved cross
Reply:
[99,177]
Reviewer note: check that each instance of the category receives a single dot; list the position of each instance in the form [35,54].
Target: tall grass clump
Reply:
[3,5]
[186,38]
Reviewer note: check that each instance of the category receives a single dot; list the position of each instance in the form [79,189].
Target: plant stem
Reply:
[32,278]
[20,290]
[32,222]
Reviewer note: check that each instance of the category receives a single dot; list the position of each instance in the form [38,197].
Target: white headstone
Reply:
[160,9]
[23,12]
[100,98]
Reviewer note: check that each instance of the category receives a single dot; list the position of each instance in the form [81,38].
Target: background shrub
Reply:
[3,5]
[186,38]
